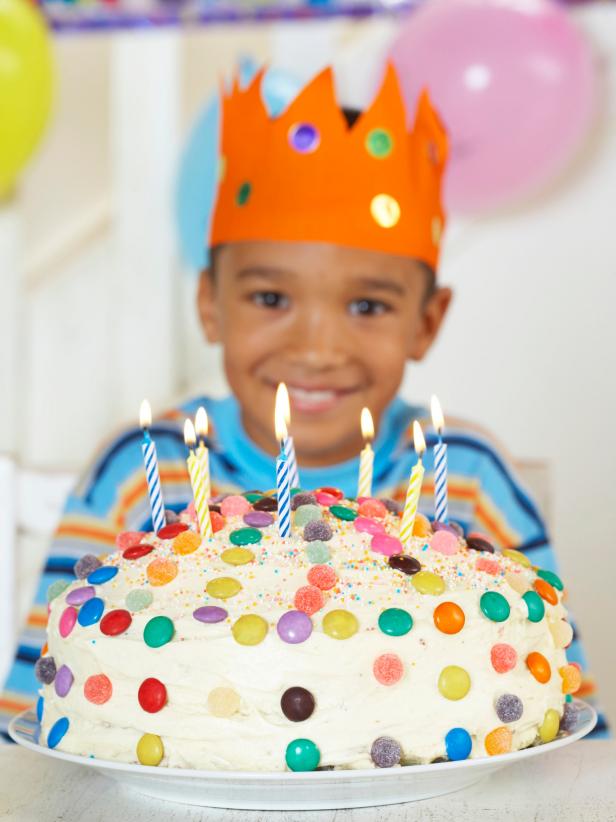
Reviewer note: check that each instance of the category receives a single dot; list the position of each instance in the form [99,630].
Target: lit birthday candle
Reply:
[196,480]
[202,453]
[440,464]
[366,458]
[414,487]
[283,485]
[289,446]
[151,468]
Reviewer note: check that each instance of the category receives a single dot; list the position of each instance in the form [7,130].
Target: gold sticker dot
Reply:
[385,210]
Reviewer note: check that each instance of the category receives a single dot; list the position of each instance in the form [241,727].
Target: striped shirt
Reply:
[111,496]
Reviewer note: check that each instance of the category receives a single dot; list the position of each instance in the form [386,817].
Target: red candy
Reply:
[323,498]
[308,599]
[115,622]
[98,689]
[322,576]
[504,657]
[172,530]
[217,520]
[388,669]
[372,508]
[152,695]
[488,566]
[128,538]
[333,492]
[137,551]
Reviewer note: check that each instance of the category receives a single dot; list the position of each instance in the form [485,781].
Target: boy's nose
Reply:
[317,340]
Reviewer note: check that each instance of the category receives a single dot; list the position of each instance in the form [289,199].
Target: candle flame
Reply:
[145,415]
[282,397]
[438,421]
[280,412]
[201,423]
[367,426]
[418,439]
[190,438]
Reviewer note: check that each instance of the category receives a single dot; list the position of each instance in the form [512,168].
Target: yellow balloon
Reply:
[26,86]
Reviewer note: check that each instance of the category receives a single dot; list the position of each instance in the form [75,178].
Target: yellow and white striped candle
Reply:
[202,453]
[196,480]
[366,458]
[414,488]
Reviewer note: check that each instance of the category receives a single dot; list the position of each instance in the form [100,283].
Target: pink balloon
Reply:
[515,85]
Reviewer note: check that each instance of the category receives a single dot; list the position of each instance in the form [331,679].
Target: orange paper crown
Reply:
[307,176]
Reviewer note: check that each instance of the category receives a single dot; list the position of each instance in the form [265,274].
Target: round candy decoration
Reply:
[98,689]
[299,499]
[517,556]
[379,143]
[186,543]
[223,702]
[407,564]
[509,708]
[562,632]
[495,606]
[115,622]
[40,706]
[343,512]
[340,624]
[498,741]
[535,606]
[458,744]
[422,527]
[56,588]
[91,611]
[449,618]
[102,575]
[85,565]
[305,514]
[69,617]
[539,667]
[550,725]
[269,504]
[322,576]
[237,556]
[297,704]
[385,752]
[304,138]
[569,719]
[333,493]
[245,536]
[210,614]
[518,582]
[223,587]
[57,732]
[158,631]
[503,657]
[385,544]
[152,695]
[395,622]
[294,627]
[317,551]
[302,755]
[137,551]
[308,599]
[454,682]
[318,530]
[161,572]
[479,544]
[234,506]
[545,591]
[150,750]
[388,669]
[249,629]
[572,678]
[138,599]
[80,595]
[217,520]
[45,670]
[172,530]
[252,496]
[125,539]
[428,583]
[373,508]
[64,680]
[367,525]
[444,542]
[258,519]
[551,578]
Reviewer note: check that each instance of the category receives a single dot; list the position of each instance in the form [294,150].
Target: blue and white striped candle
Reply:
[283,484]
[151,468]
[440,465]
[282,397]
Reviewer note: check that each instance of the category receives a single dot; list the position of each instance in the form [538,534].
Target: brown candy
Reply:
[265,504]
[297,704]
[406,564]
[479,544]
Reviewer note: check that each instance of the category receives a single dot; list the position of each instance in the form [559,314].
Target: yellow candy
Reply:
[518,582]
[223,702]
[223,587]
[498,741]
[340,624]
[517,556]
[249,629]
[150,749]
[562,632]
[428,583]
[549,727]
[186,543]
[237,556]
[422,527]
[454,682]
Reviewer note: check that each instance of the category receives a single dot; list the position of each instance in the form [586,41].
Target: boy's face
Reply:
[336,324]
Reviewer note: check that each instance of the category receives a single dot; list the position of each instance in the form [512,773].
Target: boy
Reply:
[325,243]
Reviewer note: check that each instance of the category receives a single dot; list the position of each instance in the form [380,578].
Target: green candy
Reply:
[305,514]
[252,496]
[395,622]
[317,551]
[295,491]
[245,536]
[158,631]
[554,580]
[138,599]
[302,755]
[495,606]
[56,588]
[342,512]
[534,603]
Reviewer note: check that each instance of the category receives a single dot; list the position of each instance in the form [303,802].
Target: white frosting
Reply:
[352,707]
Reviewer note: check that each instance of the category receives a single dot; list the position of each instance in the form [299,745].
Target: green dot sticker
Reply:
[554,580]
[395,622]
[245,536]
[379,143]
[158,631]
[243,194]
[495,606]
[342,512]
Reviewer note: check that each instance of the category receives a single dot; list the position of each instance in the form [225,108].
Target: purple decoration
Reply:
[385,752]
[317,530]
[80,595]
[258,519]
[210,613]
[509,708]
[569,719]
[64,680]
[304,137]
[444,526]
[45,670]
[302,498]
[294,627]
[171,516]
[84,566]
[392,505]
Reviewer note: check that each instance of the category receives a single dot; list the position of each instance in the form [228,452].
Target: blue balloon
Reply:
[199,165]
[458,743]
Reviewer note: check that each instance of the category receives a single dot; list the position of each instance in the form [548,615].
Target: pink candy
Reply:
[368,526]
[388,669]
[369,507]
[444,542]
[503,657]
[234,506]
[323,498]
[128,538]
[384,544]
[488,566]
[67,621]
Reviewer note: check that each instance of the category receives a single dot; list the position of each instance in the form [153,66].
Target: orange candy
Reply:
[572,678]
[217,520]
[422,527]
[449,617]
[186,542]
[546,591]
[161,571]
[539,667]
[44,649]
[498,741]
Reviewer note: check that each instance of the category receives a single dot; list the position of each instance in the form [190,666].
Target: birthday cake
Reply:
[336,647]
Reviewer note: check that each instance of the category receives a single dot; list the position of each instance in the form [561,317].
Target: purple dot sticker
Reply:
[64,680]
[294,627]
[210,613]
[304,137]
[80,595]
[258,519]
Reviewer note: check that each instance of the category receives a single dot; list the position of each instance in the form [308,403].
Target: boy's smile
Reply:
[336,324]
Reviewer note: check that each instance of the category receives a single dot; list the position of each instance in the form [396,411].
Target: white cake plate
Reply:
[320,790]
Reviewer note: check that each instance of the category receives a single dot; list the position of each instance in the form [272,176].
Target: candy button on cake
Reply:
[336,647]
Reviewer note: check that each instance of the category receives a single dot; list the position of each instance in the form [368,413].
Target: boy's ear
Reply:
[433,313]
[207,307]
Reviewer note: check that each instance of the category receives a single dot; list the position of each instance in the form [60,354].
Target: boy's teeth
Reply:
[304,395]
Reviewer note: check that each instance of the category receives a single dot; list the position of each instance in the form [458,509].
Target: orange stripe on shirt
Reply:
[487,516]
[70,528]
[135,489]
[14,706]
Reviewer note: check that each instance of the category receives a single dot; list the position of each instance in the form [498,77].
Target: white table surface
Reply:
[577,783]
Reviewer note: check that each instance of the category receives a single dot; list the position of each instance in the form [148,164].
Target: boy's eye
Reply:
[367,308]
[270,299]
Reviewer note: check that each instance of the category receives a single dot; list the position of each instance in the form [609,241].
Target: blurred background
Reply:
[101,233]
